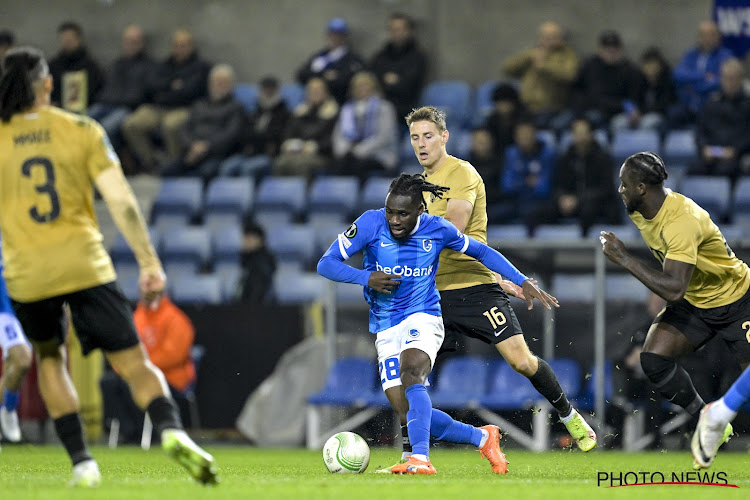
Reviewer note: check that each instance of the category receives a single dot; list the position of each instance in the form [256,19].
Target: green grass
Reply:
[43,471]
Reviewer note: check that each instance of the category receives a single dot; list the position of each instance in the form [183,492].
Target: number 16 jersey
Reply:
[51,241]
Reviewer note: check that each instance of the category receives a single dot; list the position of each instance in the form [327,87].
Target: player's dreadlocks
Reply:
[414,185]
[22,68]
[648,167]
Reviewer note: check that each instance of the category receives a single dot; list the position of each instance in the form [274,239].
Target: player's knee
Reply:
[657,367]
[20,356]
[525,365]
[413,373]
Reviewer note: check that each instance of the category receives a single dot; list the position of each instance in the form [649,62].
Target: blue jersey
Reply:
[415,259]
[5,306]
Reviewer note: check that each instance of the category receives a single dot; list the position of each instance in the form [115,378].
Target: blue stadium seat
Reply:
[165,223]
[585,400]
[459,146]
[121,252]
[625,232]
[628,142]
[679,147]
[298,287]
[350,382]
[293,94]
[711,193]
[127,279]
[374,191]
[282,194]
[578,288]
[406,152]
[191,245]
[550,232]
[483,104]
[624,287]
[326,233]
[350,294]
[181,196]
[271,220]
[741,198]
[318,219]
[230,274]
[411,168]
[175,268]
[568,373]
[293,242]
[196,289]
[498,233]
[732,232]
[227,195]
[213,222]
[247,94]
[453,97]
[508,389]
[226,242]
[461,382]
[334,194]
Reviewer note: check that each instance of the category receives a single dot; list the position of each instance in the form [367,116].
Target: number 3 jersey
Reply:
[415,259]
[51,241]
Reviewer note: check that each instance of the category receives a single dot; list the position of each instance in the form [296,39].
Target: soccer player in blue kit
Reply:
[402,245]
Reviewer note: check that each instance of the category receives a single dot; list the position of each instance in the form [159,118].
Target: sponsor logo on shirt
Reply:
[405,271]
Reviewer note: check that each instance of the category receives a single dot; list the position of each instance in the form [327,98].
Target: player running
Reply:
[49,162]
[702,280]
[402,245]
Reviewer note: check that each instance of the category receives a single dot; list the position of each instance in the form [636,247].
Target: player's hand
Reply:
[152,283]
[531,292]
[612,247]
[511,288]
[383,283]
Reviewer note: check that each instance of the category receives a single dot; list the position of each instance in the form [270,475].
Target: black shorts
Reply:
[731,322]
[101,315]
[482,312]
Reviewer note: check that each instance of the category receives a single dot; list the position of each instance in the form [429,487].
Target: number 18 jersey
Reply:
[51,243]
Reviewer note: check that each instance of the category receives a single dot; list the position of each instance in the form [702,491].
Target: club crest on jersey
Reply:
[413,333]
[427,245]
[352,231]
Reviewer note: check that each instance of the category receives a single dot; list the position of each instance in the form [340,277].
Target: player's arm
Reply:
[669,283]
[123,207]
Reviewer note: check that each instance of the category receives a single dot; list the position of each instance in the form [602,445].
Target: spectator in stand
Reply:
[167,334]
[263,134]
[400,65]
[77,77]
[723,130]
[307,145]
[175,85]
[526,181]
[547,73]
[584,184]
[484,158]
[501,123]
[365,138]
[214,128]
[607,83]
[655,96]
[697,74]
[7,40]
[125,88]
[336,63]
[258,266]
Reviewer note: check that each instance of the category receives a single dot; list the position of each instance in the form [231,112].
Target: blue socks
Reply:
[739,393]
[10,400]
[444,428]
[418,419]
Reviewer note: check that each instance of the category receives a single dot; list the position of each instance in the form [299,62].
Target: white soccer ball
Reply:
[346,453]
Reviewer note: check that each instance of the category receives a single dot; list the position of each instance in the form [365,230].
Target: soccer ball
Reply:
[346,453]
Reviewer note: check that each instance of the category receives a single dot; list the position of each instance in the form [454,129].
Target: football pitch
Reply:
[41,472]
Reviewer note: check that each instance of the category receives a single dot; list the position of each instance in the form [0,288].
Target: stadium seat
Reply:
[679,147]
[127,279]
[292,242]
[711,193]
[247,94]
[349,382]
[270,220]
[498,233]
[298,287]
[230,274]
[227,195]
[326,233]
[374,191]
[553,232]
[741,197]
[181,196]
[167,222]
[406,152]
[121,252]
[282,194]
[508,389]
[293,94]
[733,233]
[329,219]
[624,287]
[213,222]
[577,288]
[461,382]
[349,294]
[334,195]
[628,142]
[226,242]
[411,168]
[191,244]
[483,104]
[451,96]
[625,232]
[179,267]
[568,373]
[196,289]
